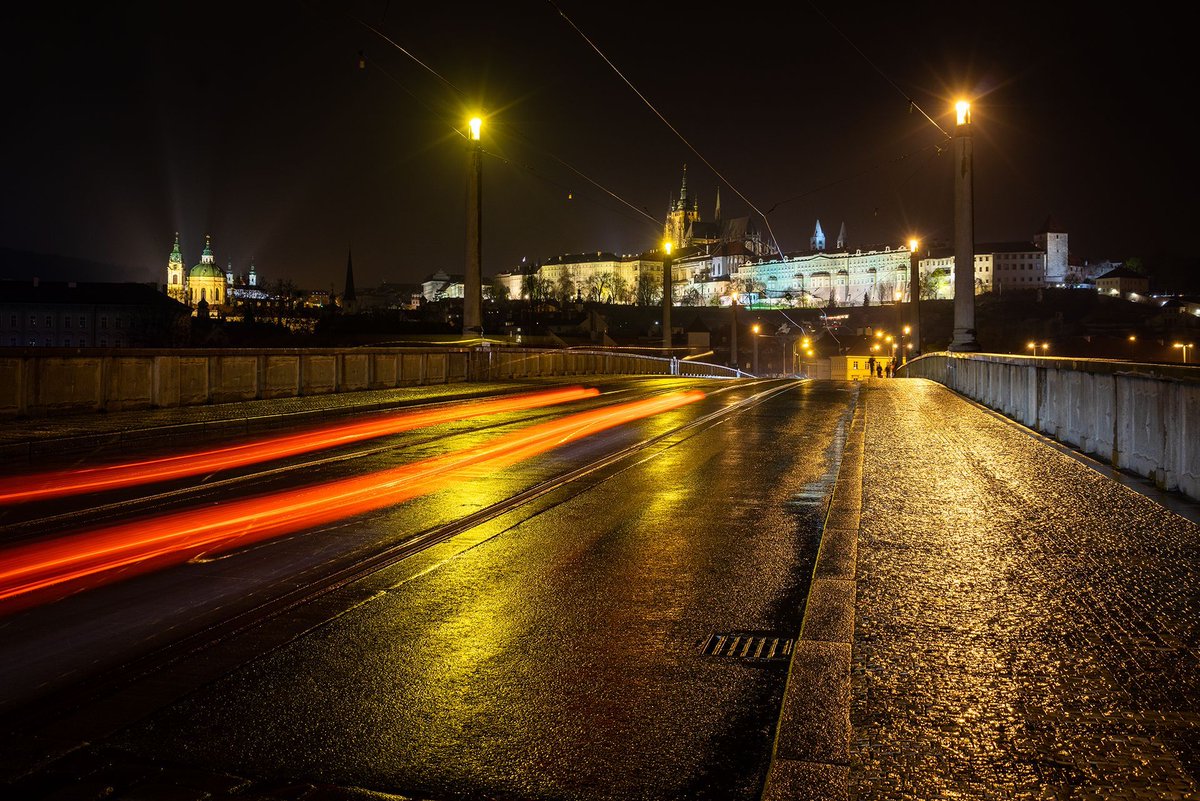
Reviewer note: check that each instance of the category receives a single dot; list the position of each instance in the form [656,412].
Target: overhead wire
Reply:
[667,122]
[912,103]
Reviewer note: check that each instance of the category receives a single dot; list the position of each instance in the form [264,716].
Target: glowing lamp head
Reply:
[755,328]
[476,127]
[667,247]
[963,109]
[912,245]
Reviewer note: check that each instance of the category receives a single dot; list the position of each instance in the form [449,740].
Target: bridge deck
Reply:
[1025,627]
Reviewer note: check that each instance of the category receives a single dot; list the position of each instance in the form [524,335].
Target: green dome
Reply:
[203,270]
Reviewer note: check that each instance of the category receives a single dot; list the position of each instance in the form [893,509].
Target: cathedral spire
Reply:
[207,256]
[717,210]
[841,240]
[683,187]
[817,242]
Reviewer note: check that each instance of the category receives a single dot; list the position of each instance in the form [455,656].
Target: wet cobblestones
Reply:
[1026,628]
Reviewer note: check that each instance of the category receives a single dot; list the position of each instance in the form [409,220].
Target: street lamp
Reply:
[473,280]
[1184,347]
[964,234]
[914,288]
[1035,346]
[668,290]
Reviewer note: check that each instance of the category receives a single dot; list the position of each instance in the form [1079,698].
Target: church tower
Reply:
[841,241]
[817,241]
[176,286]
[681,214]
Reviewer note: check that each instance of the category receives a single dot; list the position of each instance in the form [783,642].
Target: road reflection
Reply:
[43,571]
[22,489]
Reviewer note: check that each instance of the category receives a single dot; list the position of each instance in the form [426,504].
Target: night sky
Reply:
[253,122]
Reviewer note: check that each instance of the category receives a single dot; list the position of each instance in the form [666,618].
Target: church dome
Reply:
[203,270]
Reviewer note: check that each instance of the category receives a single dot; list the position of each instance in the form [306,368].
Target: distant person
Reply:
[879,371]
[871,367]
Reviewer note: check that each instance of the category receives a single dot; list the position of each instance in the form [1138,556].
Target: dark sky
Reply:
[252,122]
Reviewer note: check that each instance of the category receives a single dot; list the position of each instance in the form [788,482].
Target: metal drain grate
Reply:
[749,645]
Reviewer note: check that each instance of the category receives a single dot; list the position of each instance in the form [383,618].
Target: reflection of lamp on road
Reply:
[755,329]
[1184,347]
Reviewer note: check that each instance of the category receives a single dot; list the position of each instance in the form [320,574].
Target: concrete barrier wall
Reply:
[1144,418]
[45,381]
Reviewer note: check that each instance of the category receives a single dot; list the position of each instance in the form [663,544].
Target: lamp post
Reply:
[914,294]
[1036,346]
[473,280]
[754,329]
[964,235]
[668,290]
[1184,347]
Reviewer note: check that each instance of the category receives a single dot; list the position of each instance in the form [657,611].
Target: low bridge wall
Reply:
[1144,418]
[49,381]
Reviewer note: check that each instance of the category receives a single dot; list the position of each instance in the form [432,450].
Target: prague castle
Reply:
[715,262]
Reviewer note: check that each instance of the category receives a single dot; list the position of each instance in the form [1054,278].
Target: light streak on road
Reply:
[37,572]
[23,489]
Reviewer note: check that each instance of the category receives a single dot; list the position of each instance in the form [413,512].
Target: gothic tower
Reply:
[681,214]
[817,241]
[176,286]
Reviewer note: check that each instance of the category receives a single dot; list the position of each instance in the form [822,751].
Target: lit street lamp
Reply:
[473,280]
[668,291]
[1035,346]
[1184,347]
[914,291]
[964,234]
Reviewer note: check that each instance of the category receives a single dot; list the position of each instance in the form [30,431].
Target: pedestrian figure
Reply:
[891,369]
[879,371]
[871,367]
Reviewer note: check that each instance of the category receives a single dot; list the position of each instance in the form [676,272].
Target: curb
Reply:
[811,758]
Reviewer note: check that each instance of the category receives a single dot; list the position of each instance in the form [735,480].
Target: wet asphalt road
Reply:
[551,652]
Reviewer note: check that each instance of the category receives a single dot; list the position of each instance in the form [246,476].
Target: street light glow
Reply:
[963,109]
[913,244]
[476,127]
[667,247]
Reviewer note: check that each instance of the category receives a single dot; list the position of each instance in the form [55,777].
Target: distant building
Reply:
[61,314]
[1123,282]
[442,285]
[205,281]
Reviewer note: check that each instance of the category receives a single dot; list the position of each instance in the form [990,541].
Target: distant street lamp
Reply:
[1184,347]
[914,291]
[473,280]
[668,290]
[1036,346]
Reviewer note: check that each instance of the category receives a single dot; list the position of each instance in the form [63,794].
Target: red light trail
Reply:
[23,489]
[37,572]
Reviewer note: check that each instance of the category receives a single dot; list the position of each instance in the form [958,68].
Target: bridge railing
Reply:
[1144,418]
[38,381]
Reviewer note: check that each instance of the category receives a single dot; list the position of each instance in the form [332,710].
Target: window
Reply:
[82,342]
[117,322]
[66,321]
[67,342]
[14,321]
[104,322]
[82,321]
[33,321]
[49,321]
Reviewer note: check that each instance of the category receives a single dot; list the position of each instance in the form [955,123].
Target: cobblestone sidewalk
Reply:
[1026,628]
